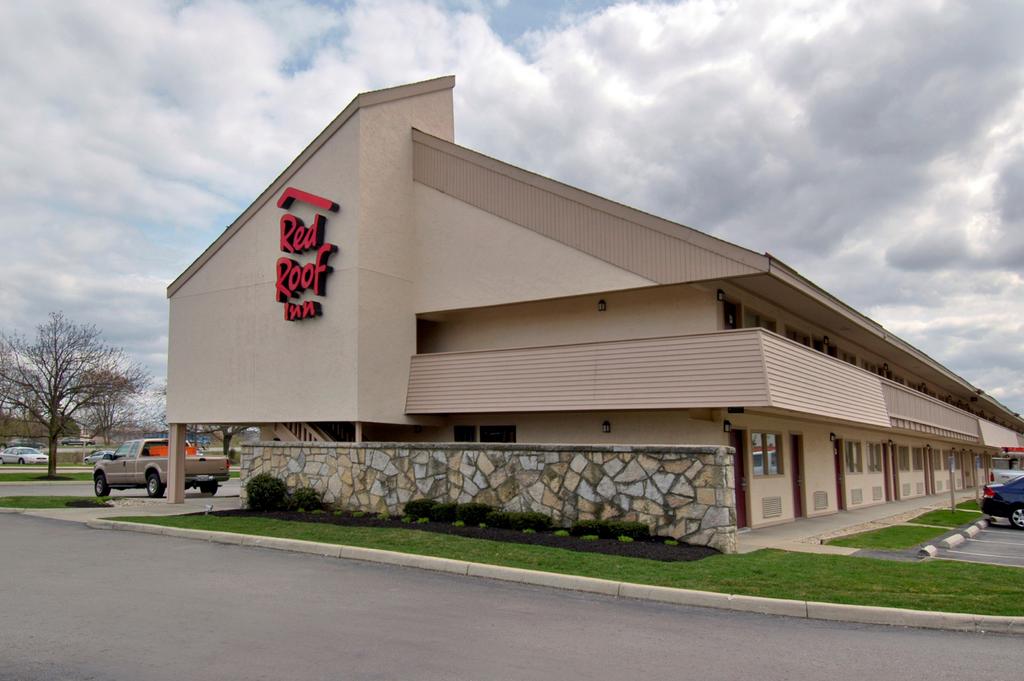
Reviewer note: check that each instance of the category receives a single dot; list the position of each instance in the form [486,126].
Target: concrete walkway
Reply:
[194,503]
[806,534]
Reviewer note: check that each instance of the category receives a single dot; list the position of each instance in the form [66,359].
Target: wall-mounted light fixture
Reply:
[601,305]
[891,445]
[720,295]
[831,437]
[727,426]
[885,367]
[825,340]
[606,427]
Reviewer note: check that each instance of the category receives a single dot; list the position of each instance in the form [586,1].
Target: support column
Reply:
[359,431]
[176,463]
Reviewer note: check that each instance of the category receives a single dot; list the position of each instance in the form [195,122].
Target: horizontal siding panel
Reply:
[630,245]
[908,405]
[807,381]
[661,373]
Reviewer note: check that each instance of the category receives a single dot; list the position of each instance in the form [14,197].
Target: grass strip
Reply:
[945,518]
[895,538]
[933,585]
[49,502]
[971,505]
[41,477]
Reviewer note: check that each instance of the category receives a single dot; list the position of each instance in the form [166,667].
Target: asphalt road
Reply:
[84,489]
[94,604]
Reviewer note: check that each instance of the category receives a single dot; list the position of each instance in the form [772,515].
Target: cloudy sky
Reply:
[878,147]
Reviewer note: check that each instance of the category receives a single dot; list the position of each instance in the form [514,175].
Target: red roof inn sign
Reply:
[293,277]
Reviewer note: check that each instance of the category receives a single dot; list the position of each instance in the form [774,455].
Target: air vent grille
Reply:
[856,496]
[876,493]
[771,507]
[820,501]
[920,488]
[906,489]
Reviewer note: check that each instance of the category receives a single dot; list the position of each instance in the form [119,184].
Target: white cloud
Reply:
[876,147]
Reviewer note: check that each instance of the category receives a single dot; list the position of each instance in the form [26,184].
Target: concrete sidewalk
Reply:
[195,503]
[807,534]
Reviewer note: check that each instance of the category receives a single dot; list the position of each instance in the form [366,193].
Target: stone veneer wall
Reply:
[683,491]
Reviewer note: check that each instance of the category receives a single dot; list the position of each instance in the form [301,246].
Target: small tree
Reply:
[225,432]
[66,370]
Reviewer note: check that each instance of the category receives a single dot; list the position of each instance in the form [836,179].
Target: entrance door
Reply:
[887,470]
[738,439]
[731,313]
[796,447]
[837,455]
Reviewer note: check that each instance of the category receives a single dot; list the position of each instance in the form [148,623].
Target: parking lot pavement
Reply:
[997,544]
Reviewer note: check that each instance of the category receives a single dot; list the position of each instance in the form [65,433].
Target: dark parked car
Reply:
[1005,501]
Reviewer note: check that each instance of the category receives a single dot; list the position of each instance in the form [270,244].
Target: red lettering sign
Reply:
[294,277]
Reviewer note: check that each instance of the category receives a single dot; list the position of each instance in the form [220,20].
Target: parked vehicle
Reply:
[1005,501]
[1005,469]
[143,463]
[23,455]
[99,454]
[76,441]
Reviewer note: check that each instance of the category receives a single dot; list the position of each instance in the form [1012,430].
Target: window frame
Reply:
[859,449]
[875,465]
[766,457]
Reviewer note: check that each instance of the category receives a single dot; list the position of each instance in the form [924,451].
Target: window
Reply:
[939,461]
[904,457]
[497,433]
[465,434]
[874,457]
[849,358]
[918,459]
[854,459]
[753,319]
[797,335]
[764,451]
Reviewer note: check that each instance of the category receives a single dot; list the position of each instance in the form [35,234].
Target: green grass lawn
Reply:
[945,518]
[971,505]
[41,477]
[48,502]
[893,538]
[933,585]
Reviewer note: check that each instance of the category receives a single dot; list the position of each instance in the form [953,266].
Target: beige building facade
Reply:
[469,300]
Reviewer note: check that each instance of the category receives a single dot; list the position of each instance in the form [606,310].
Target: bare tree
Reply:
[115,411]
[66,370]
[225,432]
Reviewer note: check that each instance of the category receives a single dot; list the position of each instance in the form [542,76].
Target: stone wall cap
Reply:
[680,449]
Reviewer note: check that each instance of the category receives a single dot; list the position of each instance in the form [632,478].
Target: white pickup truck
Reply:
[1005,469]
[143,463]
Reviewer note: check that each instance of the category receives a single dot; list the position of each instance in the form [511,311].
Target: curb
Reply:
[860,614]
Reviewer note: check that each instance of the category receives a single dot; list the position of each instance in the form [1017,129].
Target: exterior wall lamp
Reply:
[606,427]
[601,305]
[720,295]
[831,437]
[891,445]
[825,340]
[726,426]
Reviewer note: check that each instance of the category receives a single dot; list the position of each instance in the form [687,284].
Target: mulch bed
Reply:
[87,503]
[655,549]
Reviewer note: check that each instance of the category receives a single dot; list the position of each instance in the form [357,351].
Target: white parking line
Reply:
[985,555]
[991,541]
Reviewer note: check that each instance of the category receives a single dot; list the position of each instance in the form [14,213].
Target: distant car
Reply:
[23,455]
[1005,501]
[75,441]
[99,455]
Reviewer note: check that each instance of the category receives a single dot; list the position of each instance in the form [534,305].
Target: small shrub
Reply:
[443,513]
[589,537]
[419,508]
[561,533]
[599,528]
[306,498]
[266,493]
[482,526]
[383,516]
[458,523]
[473,513]
[358,514]
[638,531]
[625,539]
[319,511]
[422,521]
[338,513]
[529,531]
[407,518]
[511,520]
[671,542]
